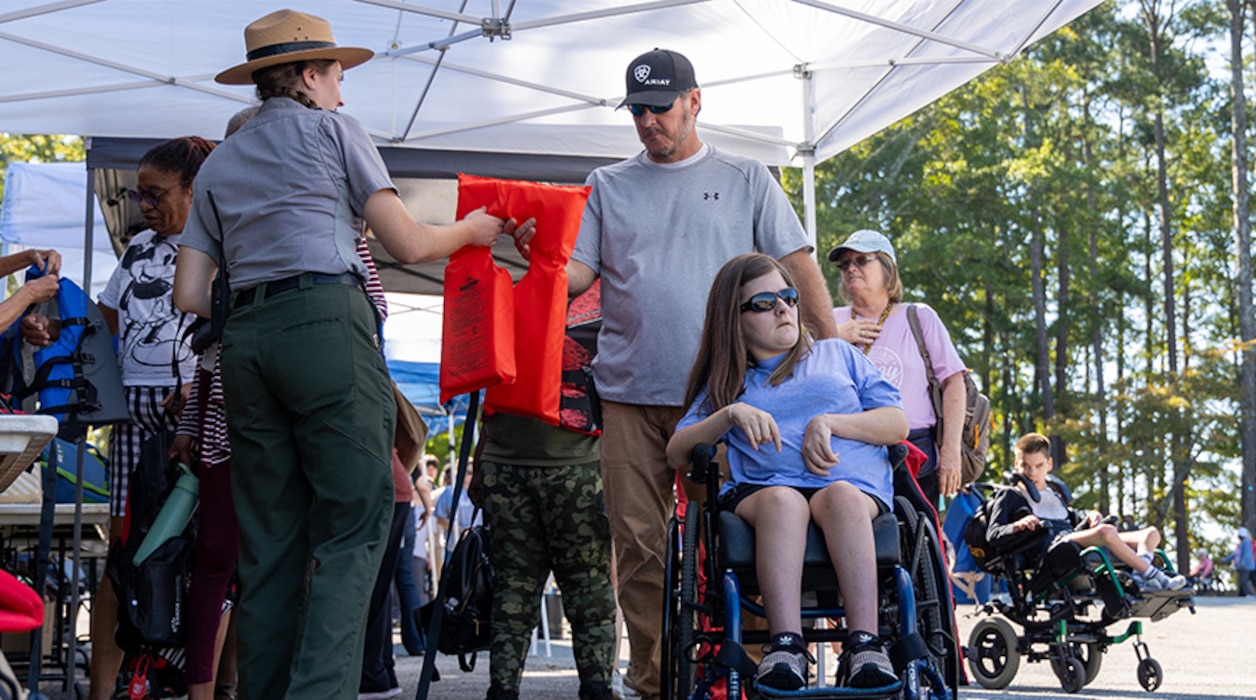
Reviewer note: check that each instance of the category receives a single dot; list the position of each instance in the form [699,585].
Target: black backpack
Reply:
[152,596]
[466,624]
[975,536]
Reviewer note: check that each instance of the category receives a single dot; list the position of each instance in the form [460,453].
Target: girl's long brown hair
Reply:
[720,367]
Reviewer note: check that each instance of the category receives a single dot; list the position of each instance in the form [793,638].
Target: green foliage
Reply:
[40,148]
[438,444]
[1061,144]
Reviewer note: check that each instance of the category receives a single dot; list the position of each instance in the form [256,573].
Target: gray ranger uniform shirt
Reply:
[290,186]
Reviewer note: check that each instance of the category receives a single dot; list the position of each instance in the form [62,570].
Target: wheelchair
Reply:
[711,583]
[1065,601]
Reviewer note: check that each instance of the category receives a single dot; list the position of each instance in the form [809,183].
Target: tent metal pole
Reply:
[76,554]
[906,29]
[88,231]
[809,198]
[44,9]
[808,152]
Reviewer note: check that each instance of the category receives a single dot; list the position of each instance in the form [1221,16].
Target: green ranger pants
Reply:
[542,519]
[310,417]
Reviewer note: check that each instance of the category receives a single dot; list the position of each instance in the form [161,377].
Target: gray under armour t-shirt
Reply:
[657,235]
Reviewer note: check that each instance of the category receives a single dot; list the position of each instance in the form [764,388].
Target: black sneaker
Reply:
[864,663]
[596,691]
[496,692]
[785,663]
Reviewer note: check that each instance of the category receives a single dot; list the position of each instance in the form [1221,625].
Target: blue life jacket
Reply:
[77,376]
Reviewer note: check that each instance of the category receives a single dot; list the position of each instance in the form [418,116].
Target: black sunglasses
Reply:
[639,110]
[766,301]
[857,261]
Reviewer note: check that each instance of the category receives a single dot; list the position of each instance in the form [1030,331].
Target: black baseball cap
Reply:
[657,78]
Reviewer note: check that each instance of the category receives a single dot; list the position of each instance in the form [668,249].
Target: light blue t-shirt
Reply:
[833,378]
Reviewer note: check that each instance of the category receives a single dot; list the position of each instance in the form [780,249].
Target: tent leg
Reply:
[808,153]
[809,199]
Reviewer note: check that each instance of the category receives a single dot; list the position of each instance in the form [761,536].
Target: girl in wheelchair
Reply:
[806,425]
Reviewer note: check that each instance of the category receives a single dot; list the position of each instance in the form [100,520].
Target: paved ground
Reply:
[1204,657]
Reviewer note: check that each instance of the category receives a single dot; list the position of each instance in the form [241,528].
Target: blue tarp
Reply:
[420,382]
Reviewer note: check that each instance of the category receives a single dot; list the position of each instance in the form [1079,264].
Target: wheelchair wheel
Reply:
[1090,658]
[680,611]
[1071,673]
[993,657]
[1150,675]
[927,574]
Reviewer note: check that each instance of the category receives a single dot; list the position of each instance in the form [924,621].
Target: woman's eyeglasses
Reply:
[766,301]
[148,197]
[639,110]
[857,261]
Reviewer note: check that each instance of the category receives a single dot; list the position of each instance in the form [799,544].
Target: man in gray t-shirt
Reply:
[656,229]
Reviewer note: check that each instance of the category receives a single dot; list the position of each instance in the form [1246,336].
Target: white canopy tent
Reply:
[787,82]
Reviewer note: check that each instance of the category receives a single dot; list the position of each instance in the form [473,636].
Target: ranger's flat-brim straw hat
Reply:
[286,36]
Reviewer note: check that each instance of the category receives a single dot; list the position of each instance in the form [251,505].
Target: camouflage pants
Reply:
[542,519]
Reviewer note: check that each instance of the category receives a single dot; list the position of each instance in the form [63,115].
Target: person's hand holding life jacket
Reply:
[48,261]
[39,290]
[38,329]
[522,234]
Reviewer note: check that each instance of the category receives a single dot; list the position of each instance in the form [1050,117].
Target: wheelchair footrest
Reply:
[887,691]
[1158,605]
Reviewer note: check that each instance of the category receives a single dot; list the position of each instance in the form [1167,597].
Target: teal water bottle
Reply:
[174,515]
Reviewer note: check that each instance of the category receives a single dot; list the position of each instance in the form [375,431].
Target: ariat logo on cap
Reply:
[641,72]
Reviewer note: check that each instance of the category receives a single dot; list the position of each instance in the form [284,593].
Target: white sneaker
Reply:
[380,694]
[1153,579]
[620,690]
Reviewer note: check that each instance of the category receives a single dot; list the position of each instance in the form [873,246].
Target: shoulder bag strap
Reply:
[429,673]
[935,389]
[221,283]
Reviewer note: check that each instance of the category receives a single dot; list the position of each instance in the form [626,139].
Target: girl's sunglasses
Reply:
[766,301]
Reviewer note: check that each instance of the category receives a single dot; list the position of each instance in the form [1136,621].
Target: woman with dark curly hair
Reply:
[153,354]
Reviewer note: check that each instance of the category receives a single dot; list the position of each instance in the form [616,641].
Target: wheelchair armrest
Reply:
[700,462]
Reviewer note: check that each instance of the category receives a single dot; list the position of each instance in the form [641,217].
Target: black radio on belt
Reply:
[207,332]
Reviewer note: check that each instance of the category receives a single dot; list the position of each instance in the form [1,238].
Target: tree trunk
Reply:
[1177,441]
[1243,242]
[1037,246]
[1096,321]
[1061,337]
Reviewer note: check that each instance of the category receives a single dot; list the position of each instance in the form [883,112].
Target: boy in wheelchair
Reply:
[1016,520]
[806,425]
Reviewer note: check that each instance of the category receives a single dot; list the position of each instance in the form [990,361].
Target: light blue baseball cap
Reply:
[865,241]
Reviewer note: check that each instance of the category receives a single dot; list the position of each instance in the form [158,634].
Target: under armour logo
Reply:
[711,195]
[641,72]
